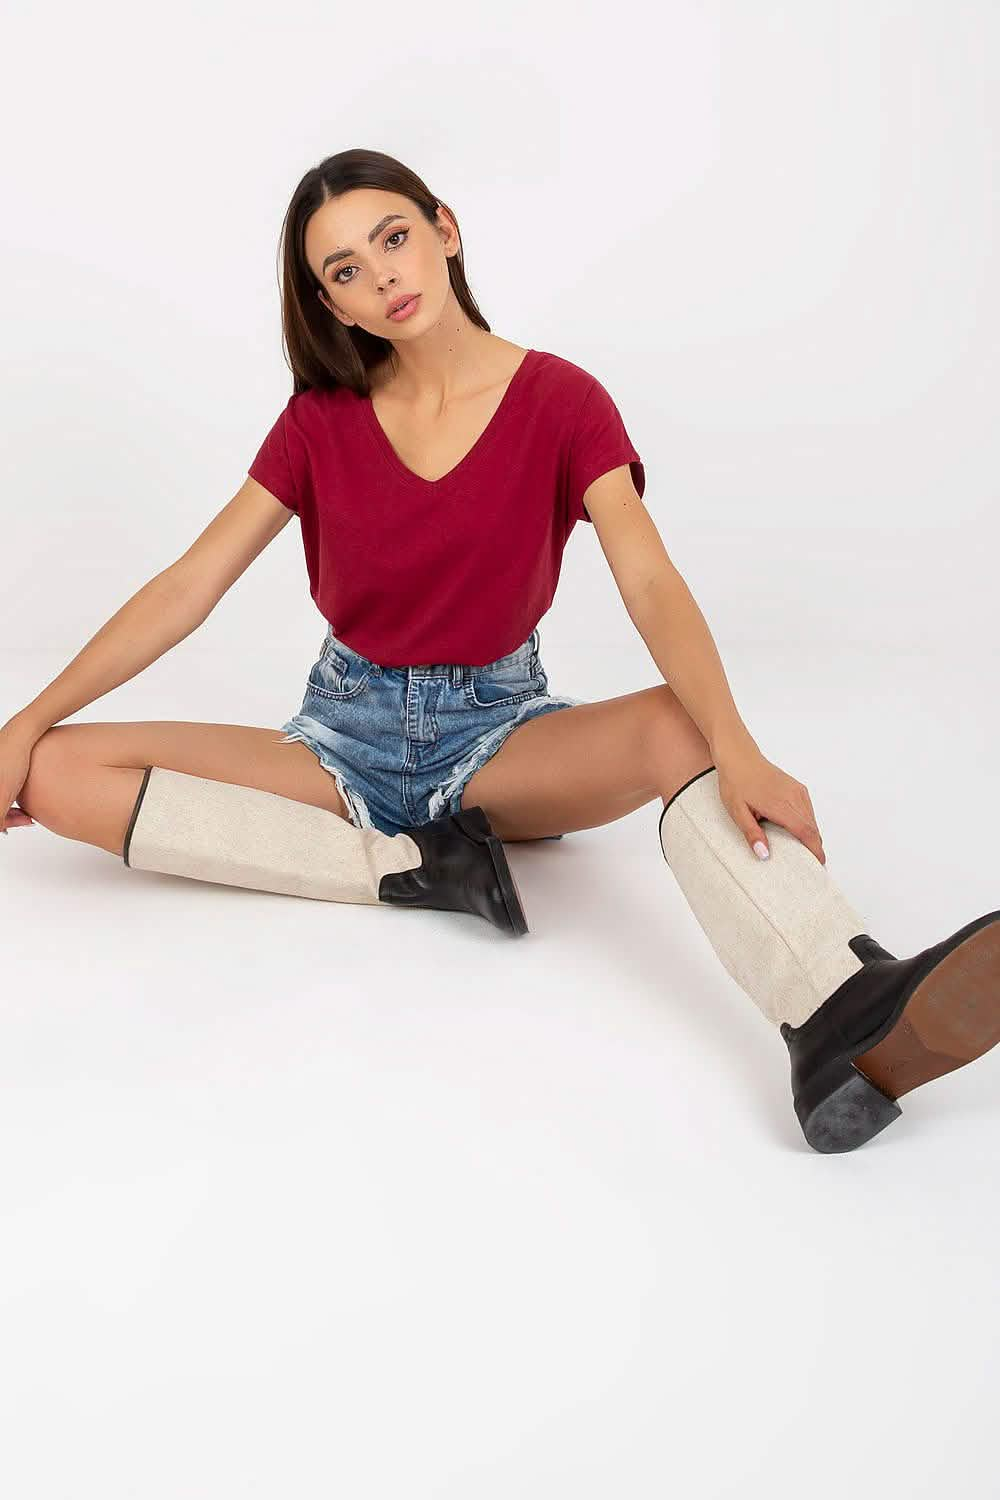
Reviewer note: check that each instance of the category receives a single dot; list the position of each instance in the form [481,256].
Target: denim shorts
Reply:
[401,742]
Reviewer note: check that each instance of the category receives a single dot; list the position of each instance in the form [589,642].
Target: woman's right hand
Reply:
[15,759]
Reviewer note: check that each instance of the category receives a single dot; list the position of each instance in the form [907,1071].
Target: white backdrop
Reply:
[768,228]
[304,1200]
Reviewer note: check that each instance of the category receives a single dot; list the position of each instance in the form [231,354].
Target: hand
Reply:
[752,787]
[15,759]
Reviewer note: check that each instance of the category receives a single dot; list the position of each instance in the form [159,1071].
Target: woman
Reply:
[437,471]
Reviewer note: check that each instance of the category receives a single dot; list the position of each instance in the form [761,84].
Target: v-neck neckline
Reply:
[487,435]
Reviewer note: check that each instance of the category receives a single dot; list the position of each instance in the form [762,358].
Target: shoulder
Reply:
[311,409]
[569,377]
[567,382]
[311,424]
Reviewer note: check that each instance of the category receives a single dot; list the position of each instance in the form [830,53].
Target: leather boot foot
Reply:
[464,868]
[893,1025]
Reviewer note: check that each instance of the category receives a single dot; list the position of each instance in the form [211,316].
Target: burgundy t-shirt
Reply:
[411,571]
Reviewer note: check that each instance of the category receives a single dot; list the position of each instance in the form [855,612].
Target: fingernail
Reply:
[761,850]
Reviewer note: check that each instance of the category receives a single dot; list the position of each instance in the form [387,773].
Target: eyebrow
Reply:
[342,254]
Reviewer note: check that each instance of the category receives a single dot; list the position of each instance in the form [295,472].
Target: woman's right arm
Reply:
[163,612]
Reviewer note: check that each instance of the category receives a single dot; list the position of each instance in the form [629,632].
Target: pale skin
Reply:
[585,766]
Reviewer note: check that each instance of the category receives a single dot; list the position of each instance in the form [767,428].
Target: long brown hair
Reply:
[322,351]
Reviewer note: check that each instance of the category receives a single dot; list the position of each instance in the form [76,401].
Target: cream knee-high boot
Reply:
[240,835]
[861,1026]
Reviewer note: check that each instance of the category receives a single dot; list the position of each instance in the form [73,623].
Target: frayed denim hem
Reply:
[448,797]
[356,805]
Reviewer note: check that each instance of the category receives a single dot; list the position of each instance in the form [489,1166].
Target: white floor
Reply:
[387,1197]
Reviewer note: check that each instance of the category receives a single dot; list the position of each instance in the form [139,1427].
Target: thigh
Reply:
[79,783]
[588,764]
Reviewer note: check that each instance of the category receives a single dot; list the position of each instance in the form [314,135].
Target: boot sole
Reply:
[946,1017]
[951,1017]
[474,822]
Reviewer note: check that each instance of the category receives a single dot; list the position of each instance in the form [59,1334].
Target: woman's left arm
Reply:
[666,615]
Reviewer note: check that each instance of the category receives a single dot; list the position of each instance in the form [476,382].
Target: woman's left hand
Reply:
[753,787]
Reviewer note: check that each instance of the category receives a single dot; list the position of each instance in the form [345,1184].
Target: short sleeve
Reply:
[599,443]
[272,467]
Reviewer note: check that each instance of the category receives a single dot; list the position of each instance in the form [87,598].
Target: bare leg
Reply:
[588,765]
[84,778]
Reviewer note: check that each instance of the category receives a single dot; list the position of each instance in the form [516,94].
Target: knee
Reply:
[671,721]
[675,740]
[47,771]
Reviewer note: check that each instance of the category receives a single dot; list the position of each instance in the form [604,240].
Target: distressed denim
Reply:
[402,742]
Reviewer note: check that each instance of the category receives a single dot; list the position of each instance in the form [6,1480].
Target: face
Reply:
[391,250]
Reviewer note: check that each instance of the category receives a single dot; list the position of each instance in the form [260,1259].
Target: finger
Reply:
[808,834]
[809,812]
[754,834]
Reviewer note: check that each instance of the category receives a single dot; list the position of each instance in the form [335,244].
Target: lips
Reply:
[399,302]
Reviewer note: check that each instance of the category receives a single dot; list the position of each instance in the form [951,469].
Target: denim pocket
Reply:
[510,679]
[339,672]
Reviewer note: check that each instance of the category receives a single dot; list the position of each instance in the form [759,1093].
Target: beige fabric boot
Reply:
[861,1026]
[240,835]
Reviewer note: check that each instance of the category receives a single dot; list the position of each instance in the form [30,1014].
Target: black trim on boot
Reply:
[454,875]
[135,814]
[954,1017]
[697,777]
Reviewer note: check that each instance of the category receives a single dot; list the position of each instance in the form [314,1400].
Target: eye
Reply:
[394,235]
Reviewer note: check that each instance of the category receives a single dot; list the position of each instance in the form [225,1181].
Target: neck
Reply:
[444,364]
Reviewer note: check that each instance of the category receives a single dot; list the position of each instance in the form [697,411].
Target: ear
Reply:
[445,227]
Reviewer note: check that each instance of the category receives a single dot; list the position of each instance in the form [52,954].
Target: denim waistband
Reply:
[455,670]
